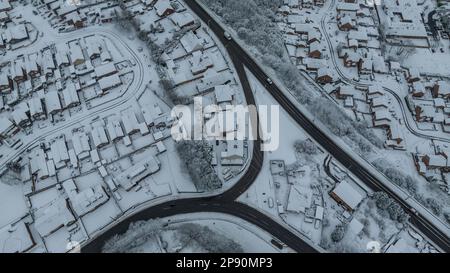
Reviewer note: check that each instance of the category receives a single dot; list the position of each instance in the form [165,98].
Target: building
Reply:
[441,89]
[163,8]
[7,128]
[76,54]
[52,216]
[133,175]
[346,195]
[99,137]
[233,154]
[52,102]
[5,5]
[324,75]
[86,200]
[70,96]
[109,82]
[36,109]
[20,115]
[105,70]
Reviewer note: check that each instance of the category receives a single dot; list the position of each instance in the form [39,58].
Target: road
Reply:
[221,203]
[407,117]
[120,99]
[225,202]
[347,160]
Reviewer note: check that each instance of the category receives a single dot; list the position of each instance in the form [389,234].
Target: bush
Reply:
[447,217]
[211,241]
[386,204]
[338,233]
[434,205]
[137,234]
[305,146]
[397,177]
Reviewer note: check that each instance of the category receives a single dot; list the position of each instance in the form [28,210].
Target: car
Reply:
[227,36]
[442,50]
[269,81]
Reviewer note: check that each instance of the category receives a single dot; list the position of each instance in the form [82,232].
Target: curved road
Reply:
[111,104]
[347,80]
[226,203]
[222,203]
[353,165]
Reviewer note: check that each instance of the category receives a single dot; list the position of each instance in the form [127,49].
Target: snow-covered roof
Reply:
[347,194]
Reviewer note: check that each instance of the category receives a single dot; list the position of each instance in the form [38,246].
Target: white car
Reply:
[227,35]
[269,81]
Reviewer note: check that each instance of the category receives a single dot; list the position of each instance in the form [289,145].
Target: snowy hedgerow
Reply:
[305,146]
[385,203]
[434,205]
[211,241]
[197,156]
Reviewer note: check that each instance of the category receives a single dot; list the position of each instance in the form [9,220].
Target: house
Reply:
[315,50]
[133,175]
[351,59]
[394,133]
[109,82]
[381,117]
[36,109]
[70,96]
[345,23]
[20,115]
[17,33]
[413,75]
[5,5]
[365,66]
[441,89]
[418,89]
[324,75]
[345,91]
[130,122]
[182,19]
[191,42]
[59,153]
[163,8]
[115,131]
[379,102]
[300,198]
[224,94]
[5,82]
[85,200]
[52,102]
[346,195]
[76,54]
[374,91]
[104,70]
[436,162]
[74,19]
[33,68]
[200,62]
[7,128]
[52,216]
[233,155]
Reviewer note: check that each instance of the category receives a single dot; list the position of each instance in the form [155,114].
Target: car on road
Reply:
[269,81]
[227,36]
